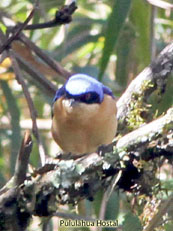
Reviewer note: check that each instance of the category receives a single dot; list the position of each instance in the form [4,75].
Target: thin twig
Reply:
[19,29]
[107,195]
[114,182]
[62,16]
[32,109]
[49,87]
[47,59]
[23,159]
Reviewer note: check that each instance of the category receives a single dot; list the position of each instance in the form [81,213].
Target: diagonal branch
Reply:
[155,76]
[32,109]
[73,180]
[36,76]
[19,29]
[47,59]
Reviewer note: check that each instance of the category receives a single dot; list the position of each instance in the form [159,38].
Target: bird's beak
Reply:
[69,103]
[72,102]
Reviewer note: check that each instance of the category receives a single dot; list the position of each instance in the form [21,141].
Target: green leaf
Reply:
[131,222]
[115,24]
[168,226]
[123,50]
[112,208]
[140,16]
[97,202]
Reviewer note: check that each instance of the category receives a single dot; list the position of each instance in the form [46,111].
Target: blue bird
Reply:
[84,115]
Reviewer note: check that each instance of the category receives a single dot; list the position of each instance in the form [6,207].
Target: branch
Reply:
[68,181]
[33,72]
[21,164]
[36,76]
[72,180]
[19,29]
[9,208]
[63,16]
[30,103]
[23,159]
[47,59]
[140,138]
[155,75]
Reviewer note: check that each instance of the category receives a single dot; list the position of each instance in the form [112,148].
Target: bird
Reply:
[83,115]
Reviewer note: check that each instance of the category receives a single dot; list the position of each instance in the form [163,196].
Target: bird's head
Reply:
[81,88]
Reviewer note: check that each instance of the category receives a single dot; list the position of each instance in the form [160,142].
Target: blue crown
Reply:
[80,84]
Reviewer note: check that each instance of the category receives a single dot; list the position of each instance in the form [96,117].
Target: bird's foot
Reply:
[104,149]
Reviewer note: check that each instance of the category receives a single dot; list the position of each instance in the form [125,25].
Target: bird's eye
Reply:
[89,98]
[85,98]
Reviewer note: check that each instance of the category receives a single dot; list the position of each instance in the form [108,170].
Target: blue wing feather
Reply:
[59,93]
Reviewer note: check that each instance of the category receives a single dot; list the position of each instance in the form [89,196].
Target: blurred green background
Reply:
[112,40]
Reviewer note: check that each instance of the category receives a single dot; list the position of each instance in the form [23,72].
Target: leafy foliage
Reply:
[107,39]
[131,222]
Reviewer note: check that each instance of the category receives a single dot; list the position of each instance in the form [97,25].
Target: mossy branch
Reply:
[68,181]
[154,77]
